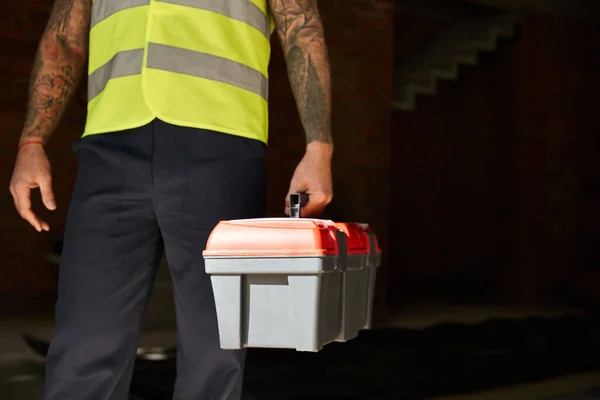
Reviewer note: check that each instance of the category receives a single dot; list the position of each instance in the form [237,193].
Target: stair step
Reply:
[404,99]
[486,35]
[427,78]
[456,46]
[445,62]
[444,10]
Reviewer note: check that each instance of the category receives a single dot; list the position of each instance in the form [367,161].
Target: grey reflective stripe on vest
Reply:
[240,10]
[207,66]
[125,63]
[102,9]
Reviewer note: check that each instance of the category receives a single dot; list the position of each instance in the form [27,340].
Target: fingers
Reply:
[47,193]
[316,204]
[21,195]
[32,170]
[314,207]
[23,203]
[287,204]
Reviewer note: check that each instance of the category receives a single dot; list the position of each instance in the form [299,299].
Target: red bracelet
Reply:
[25,143]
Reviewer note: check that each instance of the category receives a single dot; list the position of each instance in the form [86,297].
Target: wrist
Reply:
[320,149]
[30,142]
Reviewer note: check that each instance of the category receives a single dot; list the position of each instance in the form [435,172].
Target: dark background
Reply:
[487,193]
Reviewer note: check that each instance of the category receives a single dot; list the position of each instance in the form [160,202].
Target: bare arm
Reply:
[300,31]
[58,67]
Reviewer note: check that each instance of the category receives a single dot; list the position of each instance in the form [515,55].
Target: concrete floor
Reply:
[584,386]
[20,380]
[21,371]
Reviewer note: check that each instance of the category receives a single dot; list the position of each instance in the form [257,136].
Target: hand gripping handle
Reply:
[297,201]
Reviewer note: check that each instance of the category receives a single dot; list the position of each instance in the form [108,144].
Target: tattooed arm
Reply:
[58,67]
[300,31]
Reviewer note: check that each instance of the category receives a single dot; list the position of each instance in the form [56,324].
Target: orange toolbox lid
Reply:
[357,239]
[367,229]
[273,237]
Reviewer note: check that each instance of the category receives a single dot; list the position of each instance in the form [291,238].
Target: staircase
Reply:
[459,44]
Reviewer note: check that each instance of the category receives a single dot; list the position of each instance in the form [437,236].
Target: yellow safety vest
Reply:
[195,63]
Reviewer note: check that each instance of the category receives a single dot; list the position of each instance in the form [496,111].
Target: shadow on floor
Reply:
[592,394]
[411,364]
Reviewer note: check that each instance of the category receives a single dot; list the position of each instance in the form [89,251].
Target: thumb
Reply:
[47,193]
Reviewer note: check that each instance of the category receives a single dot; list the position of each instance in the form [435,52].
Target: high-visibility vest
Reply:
[195,63]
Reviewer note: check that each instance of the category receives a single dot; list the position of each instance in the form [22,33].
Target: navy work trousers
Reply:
[138,192]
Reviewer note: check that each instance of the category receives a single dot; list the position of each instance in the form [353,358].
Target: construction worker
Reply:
[174,142]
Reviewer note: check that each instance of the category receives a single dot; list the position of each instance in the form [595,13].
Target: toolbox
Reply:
[355,281]
[295,283]
[373,262]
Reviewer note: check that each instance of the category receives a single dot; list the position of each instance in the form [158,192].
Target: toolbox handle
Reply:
[297,201]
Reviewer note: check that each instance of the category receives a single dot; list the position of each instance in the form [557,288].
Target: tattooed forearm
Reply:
[300,31]
[57,67]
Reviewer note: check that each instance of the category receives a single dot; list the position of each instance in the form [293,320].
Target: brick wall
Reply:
[359,34]
[494,180]
[496,177]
